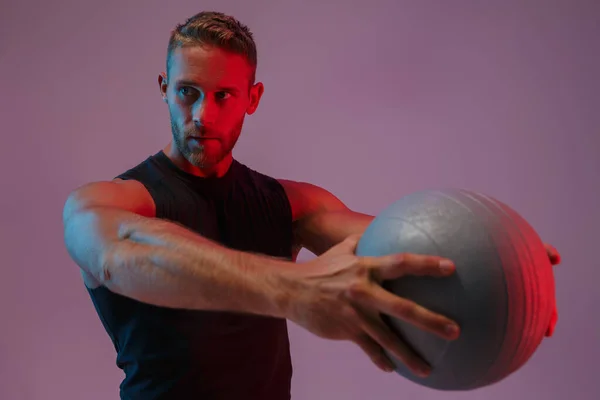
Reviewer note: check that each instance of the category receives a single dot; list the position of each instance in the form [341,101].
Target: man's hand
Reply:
[555,260]
[339,296]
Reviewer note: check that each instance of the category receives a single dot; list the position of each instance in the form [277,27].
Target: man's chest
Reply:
[245,221]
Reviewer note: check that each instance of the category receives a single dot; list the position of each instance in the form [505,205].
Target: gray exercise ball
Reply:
[502,294]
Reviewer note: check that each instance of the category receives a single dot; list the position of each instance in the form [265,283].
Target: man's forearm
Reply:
[164,264]
[321,231]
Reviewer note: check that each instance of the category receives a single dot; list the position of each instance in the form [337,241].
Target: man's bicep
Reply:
[310,205]
[92,215]
[307,199]
[128,195]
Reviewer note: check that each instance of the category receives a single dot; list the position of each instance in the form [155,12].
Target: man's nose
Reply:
[205,114]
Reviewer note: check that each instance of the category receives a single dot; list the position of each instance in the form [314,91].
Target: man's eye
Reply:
[186,91]
[223,95]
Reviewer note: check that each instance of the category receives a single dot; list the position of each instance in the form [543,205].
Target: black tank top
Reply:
[201,355]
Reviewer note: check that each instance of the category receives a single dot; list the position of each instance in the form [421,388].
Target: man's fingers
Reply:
[552,325]
[347,246]
[397,265]
[374,297]
[553,254]
[375,353]
[385,338]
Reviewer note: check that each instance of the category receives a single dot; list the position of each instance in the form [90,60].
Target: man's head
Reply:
[209,88]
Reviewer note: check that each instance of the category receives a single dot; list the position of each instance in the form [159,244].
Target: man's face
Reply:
[209,93]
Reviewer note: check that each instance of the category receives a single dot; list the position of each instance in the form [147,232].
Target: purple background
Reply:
[370,99]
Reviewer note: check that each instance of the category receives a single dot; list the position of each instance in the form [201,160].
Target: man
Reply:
[189,257]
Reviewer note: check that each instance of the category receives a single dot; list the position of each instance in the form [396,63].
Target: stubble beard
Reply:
[199,157]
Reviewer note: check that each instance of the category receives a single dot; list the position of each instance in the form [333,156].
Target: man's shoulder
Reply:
[307,199]
[259,179]
[146,170]
[294,187]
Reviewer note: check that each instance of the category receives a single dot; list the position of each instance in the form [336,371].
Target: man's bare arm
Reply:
[112,234]
[321,220]
[160,262]
[321,231]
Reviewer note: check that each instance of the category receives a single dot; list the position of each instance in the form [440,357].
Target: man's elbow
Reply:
[85,239]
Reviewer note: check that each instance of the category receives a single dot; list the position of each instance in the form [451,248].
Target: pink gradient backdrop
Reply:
[370,99]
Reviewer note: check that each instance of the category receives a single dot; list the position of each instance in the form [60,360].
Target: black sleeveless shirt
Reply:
[205,355]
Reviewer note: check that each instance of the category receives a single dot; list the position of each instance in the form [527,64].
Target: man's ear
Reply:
[256,92]
[163,85]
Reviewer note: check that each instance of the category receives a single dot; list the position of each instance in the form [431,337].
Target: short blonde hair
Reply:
[215,29]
